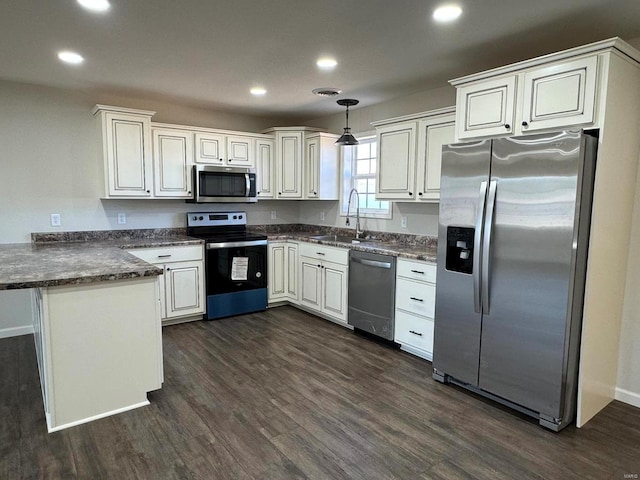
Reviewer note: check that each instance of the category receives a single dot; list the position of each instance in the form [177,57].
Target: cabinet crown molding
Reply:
[416,116]
[293,129]
[109,108]
[610,44]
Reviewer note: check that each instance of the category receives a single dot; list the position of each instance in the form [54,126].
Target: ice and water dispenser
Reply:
[460,249]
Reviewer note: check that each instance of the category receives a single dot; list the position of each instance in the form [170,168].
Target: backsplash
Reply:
[389,237]
[100,235]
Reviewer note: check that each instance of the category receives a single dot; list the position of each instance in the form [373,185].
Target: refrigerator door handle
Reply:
[482,200]
[486,245]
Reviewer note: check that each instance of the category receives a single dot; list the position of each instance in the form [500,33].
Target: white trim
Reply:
[626,396]
[16,331]
[95,417]
[418,352]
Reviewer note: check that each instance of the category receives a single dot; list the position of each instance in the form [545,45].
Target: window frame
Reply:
[347,160]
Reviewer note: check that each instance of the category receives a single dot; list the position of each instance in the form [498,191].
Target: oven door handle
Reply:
[247,184]
[250,243]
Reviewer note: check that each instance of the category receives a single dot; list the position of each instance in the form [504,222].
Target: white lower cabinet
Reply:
[324,280]
[415,306]
[182,284]
[282,261]
[99,348]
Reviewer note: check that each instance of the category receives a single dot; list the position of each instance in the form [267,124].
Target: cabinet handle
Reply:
[230,160]
[525,124]
[168,269]
[315,193]
[419,193]
[148,191]
[189,192]
[415,333]
[416,299]
[257,193]
[410,193]
[507,126]
[164,256]
[279,193]
[417,271]
[319,266]
[320,253]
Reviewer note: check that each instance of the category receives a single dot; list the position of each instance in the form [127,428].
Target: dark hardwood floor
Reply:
[282,395]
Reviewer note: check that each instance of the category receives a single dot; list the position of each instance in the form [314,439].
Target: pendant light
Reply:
[347,138]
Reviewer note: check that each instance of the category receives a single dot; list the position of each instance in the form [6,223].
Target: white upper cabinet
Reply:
[541,94]
[126,151]
[410,154]
[396,161]
[289,164]
[560,94]
[172,160]
[210,148]
[321,167]
[487,108]
[265,167]
[240,151]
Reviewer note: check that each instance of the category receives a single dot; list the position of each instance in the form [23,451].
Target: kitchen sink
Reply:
[336,238]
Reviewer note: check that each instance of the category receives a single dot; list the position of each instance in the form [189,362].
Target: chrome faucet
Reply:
[358,231]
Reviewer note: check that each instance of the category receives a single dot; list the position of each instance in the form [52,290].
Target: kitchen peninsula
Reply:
[96,322]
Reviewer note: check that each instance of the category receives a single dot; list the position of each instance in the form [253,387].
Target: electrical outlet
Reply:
[322,216]
[403,221]
[122,218]
[55,220]
[273,215]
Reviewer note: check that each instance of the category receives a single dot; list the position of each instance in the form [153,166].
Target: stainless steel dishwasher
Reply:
[372,293]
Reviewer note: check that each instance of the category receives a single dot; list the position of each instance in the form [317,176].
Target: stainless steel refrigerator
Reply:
[512,250]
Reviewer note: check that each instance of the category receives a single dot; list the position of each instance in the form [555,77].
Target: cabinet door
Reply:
[431,138]
[289,164]
[310,283]
[277,285]
[172,158]
[396,161]
[210,148]
[292,272]
[312,167]
[240,151]
[560,95]
[184,289]
[334,290]
[128,155]
[486,108]
[265,168]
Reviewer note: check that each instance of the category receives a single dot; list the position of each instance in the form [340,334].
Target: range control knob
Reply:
[194,218]
[201,218]
[240,217]
[235,217]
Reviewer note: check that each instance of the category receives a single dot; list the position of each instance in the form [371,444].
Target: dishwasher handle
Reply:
[371,263]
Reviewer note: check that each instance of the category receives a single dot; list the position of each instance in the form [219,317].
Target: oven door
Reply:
[236,266]
[224,184]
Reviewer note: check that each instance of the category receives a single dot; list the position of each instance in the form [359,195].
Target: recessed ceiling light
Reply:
[95,5]
[447,13]
[70,57]
[327,62]
[258,91]
[326,91]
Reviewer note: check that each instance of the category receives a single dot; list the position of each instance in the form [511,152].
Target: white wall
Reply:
[49,164]
[15,313]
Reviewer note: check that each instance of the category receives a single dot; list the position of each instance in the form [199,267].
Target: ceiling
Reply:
[211,52]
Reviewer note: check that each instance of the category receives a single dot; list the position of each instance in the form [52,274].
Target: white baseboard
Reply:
[95,417]
[632,398]
[15,331]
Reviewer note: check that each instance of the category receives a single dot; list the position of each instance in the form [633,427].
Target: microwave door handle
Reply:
[247,184]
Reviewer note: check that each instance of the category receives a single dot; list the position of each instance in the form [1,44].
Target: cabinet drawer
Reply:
[329,254]
[416,297]
[168,254]
[414,331]
[425,272]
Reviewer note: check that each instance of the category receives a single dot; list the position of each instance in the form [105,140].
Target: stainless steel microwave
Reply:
[213,184]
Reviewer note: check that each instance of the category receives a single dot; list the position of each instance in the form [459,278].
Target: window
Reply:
[359,172]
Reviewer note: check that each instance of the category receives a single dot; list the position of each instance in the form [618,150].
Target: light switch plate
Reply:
[403,222]
[322,216]
[273,215]
[122,218]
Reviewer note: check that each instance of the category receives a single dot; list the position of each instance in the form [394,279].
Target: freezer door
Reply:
[464,176]
[529,260]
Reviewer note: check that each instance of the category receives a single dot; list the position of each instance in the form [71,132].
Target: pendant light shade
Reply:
[347,138]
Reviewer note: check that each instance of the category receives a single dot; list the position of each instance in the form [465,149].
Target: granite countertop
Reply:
[424,252]
[54,263]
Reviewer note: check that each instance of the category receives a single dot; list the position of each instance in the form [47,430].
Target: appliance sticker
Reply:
[240,268]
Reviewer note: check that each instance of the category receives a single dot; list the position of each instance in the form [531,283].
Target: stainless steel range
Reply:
[235,263]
